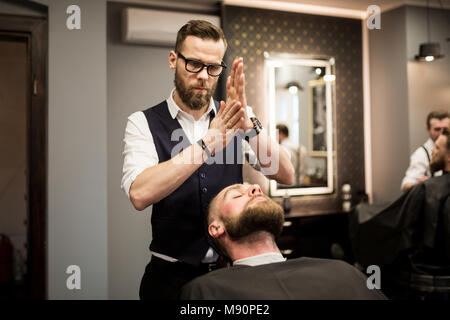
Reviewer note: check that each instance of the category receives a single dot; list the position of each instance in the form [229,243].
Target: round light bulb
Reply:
[318,71]
[346,188]
[293,89]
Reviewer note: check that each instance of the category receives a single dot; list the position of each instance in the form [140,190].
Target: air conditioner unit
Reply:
[157,27]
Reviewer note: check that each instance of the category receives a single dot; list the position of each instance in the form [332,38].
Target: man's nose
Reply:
[203,74]
[254,189]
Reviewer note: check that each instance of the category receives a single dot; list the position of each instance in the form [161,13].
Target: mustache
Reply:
[200,85]
[253,198]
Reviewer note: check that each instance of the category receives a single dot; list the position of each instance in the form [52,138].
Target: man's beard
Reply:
[195,101]
[437,164]
[262,216]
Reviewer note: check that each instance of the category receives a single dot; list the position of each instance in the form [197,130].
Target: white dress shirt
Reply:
[260,259]
[139,151]
[419,165]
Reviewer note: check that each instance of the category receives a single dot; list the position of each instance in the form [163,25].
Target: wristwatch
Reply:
[257,127]
[204,147]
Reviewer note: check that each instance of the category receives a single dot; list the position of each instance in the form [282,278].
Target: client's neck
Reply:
[255,244]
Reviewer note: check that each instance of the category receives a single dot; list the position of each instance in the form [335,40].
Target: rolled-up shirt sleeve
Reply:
[250,154]
[418,167]
[139,152]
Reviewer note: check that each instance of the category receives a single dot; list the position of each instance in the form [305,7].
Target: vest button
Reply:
[205,190]
[203,175]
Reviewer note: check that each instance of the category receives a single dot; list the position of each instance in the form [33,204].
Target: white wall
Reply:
[389,105]
[77,182]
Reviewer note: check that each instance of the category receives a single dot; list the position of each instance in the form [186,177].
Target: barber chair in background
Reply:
[409,240]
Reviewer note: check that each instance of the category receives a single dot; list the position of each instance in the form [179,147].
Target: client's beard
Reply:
[195,101]
[437,165]
[262,216]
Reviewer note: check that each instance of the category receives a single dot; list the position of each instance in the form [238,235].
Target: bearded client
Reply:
[244,224]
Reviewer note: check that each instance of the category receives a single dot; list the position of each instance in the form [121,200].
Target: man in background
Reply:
[244,224]
[414,230]
[297,153]
[440,159]
[418,169]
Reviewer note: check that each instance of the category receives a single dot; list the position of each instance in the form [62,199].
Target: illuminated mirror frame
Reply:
[280,60]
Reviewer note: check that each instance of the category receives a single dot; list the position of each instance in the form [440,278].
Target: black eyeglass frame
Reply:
[186,60]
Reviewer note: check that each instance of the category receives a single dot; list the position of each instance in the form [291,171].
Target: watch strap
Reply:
[204,147]
[257,127]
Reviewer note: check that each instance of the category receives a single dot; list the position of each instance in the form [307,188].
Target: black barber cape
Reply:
[418,220]
[296,279]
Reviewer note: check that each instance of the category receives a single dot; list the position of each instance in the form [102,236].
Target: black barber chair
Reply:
[409,242]
[416,277]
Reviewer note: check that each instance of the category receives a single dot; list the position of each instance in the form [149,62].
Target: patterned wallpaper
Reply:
[250,32]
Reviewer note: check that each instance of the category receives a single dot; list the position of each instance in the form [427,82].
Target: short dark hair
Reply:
[437,114]
[201,29]
[283,129]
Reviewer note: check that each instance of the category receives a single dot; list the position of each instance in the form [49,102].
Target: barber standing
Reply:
[419,165]
[180,153]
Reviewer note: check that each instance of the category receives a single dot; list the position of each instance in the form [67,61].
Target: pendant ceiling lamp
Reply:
[429,51]
[294,87]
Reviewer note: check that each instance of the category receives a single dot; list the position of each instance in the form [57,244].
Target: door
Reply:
[14,162]
[23,157]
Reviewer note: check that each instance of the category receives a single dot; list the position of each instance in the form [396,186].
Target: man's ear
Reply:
[216,229]
[172,60]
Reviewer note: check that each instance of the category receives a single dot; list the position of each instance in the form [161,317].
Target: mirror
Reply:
[300,100]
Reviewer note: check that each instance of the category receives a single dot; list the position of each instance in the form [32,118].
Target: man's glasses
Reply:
[195,66]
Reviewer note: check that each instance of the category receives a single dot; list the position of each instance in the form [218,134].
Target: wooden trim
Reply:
[36,31]
[368,174]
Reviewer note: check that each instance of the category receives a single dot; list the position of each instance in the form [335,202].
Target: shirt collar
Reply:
[429,144]
[174,109]
[260,259]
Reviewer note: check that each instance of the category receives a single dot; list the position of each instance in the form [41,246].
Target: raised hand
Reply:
[236,89]
[228,120]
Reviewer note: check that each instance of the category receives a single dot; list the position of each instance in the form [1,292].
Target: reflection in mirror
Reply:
[301,99]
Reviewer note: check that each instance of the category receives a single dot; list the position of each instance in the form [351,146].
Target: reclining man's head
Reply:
[440,159]
[242,217]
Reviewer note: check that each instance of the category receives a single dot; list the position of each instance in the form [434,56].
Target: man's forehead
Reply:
[435,122]
[193,45]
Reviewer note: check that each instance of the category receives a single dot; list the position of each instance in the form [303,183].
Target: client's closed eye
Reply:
[236,194]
